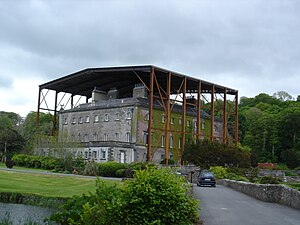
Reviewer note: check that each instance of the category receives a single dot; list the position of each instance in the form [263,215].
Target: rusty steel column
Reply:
[183,115]
[54,130]
[236,117]
[168,118]
[225,117]
[212,112]
[199,111]
[38,112]
[150,114]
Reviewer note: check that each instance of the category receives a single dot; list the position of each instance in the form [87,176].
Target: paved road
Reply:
[225,206]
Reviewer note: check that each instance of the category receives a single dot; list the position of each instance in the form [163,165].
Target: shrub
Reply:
[121,173]
[90,169]
[153,197]
[269,180]
[9,163]
[159,197]
[108,169]
[219,171]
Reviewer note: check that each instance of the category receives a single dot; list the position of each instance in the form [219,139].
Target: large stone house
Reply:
[110,128]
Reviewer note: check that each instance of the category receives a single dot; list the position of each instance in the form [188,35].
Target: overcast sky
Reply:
[252,46]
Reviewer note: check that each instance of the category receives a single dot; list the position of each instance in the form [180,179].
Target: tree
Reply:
[282,96]
[10,139]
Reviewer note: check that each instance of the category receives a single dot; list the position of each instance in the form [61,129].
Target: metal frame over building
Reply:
[165,86]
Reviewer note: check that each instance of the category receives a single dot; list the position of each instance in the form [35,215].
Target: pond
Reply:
[21,214]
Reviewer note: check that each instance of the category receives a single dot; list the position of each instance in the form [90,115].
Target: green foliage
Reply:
[219,171]
[90,168]
[294,186]
[206,154]
[108,169]
[32,161]
[270,180]
[120,173]
[159,197]
[152,197]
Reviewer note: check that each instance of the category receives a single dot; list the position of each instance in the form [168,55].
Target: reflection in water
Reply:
[19,213]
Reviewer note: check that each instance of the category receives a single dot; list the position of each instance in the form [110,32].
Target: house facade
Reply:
[110,128]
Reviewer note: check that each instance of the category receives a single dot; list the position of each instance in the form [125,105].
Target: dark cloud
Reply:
[233,42]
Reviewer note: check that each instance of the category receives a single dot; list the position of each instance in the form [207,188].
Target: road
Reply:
[225,206]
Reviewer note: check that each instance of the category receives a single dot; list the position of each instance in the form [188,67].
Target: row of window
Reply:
[106,118]
[104,137]
[172,121]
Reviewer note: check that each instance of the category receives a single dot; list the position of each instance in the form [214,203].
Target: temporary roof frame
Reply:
[161,84]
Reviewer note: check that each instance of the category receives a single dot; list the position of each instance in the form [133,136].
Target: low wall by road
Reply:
[266,192]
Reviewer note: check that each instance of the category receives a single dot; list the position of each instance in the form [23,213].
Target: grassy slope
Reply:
[45,185]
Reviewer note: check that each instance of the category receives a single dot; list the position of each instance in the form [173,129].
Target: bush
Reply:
[108,169]
[269,180]
[219,171]
[153,197]
[90,169]
[159,197]
[9,163]
[121,173]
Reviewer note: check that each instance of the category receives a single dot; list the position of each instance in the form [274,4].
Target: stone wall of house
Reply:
[266,192]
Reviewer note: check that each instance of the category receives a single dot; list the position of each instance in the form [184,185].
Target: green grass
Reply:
[2,165]
[45,185]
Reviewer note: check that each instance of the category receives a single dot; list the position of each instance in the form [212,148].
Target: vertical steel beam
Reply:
[199,111]
[212,113]
[38,112]
[236,118]
[168,119]
[150,114]
[183,117]
[72,101]
[54,131]
[225,117]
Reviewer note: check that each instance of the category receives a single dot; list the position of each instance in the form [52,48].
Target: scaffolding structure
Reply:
[164,86]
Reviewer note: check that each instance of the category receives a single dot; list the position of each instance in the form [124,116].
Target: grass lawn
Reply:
[2,165]
[45,185]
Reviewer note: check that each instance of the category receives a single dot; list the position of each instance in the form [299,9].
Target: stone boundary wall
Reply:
[266,192]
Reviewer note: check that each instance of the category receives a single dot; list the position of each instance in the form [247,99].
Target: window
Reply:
[73,120]
[79,137]
[116,136]
[145,137]
[172,120]
[95,137]
[106,117]
[96,119]
[163,141]
[80,119]
[128,137]
[163,118]
[65,120]
[171,141]
[188,123]
[146,117]
[103,154]
[105,137]
[87,119]
[95,154]
[117,116]
[203,125]
[195,125]
[128,115]
[179,142]
[86,155]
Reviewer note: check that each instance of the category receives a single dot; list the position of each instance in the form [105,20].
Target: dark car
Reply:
[206,178]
